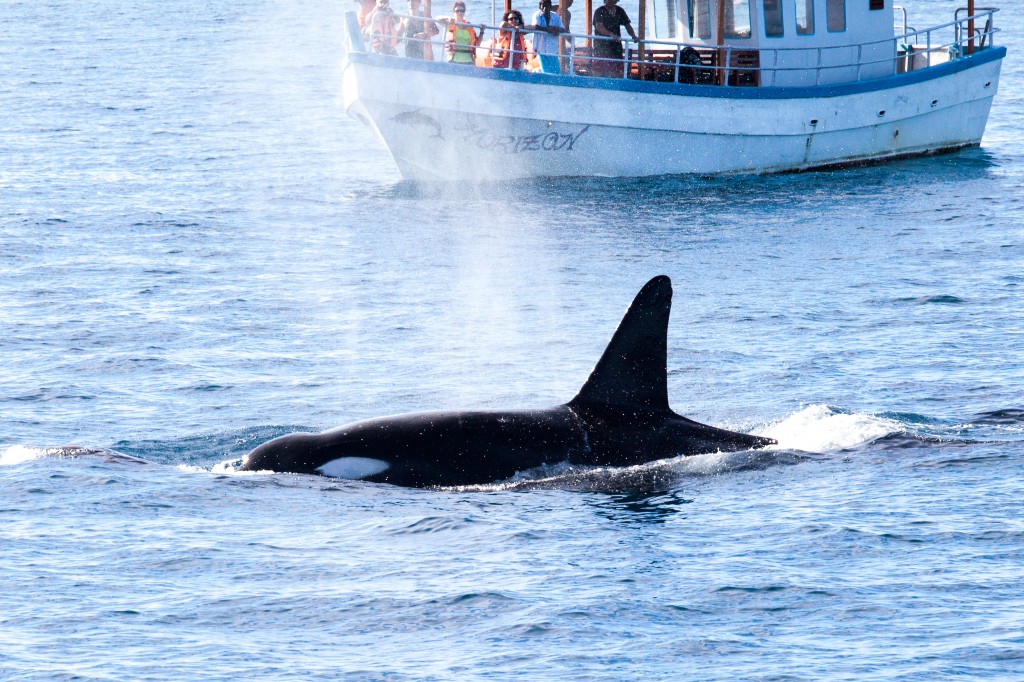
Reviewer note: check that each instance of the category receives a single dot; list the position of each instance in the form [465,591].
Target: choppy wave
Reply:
[1006,417]
[649,477]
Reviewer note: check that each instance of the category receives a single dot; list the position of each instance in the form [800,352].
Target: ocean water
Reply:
[200,251]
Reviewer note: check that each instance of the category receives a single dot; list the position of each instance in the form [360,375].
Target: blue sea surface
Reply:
[200,251]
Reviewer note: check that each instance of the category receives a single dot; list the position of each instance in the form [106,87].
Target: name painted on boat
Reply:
[548,141]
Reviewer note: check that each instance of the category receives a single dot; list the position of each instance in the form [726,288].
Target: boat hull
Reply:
[449,122]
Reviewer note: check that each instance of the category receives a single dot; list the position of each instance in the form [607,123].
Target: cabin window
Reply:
[877,4]
[835,15]
[804,17]
[773,18]
[698,18]
[737,19]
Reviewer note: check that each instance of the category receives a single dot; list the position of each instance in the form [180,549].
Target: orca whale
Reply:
[621,417]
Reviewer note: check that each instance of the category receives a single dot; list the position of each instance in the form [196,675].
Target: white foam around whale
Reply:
[353,467]
[16,454]
[819,428]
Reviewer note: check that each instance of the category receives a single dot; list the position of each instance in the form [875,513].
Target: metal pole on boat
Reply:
[428,51]
[588,7]
[562,40]
[721,42]
[643,35]
[970,26]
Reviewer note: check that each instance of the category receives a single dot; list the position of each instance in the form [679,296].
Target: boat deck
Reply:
[663,61]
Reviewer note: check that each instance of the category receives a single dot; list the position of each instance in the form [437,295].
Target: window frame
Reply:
[809,5]
[830,8]
[750,21]
[691,15]
[782,19]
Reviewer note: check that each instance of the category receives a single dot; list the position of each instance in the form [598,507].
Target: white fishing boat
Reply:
[738,86]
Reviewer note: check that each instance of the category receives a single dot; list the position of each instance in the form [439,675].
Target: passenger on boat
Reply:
[382,29]
[461,39]
[502,53]
[608,22]
[548,25]
[563,12]
[417,30]
[366,8]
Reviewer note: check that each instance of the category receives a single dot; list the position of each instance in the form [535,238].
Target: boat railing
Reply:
[899,10]
[703,64]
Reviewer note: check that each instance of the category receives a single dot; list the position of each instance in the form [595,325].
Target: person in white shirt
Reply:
[548,26]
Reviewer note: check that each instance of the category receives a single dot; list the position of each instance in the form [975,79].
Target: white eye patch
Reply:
[353,467]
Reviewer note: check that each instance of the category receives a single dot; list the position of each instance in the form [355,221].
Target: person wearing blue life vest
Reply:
[548,25]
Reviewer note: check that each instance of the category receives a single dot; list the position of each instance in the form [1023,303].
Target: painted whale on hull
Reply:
[621,417]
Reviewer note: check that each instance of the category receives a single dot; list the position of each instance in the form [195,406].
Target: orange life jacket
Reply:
[518,53]
[461,43]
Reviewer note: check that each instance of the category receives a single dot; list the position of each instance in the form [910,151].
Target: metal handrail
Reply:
[982,33]
[903,10]
[570,53]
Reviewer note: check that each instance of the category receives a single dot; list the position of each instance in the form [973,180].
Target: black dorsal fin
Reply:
[632,371]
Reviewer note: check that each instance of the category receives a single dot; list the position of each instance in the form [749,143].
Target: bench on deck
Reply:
[678,65]
[743,65]
[694,66]
[685,64]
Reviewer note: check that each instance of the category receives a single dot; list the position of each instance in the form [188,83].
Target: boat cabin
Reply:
[793,42]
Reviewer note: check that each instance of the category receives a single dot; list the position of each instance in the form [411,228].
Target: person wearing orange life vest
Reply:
[512,24]
[366,9]
[461,39]
[382,29]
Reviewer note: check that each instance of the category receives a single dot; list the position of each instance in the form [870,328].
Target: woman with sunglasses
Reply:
[462,39]
[511,25]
